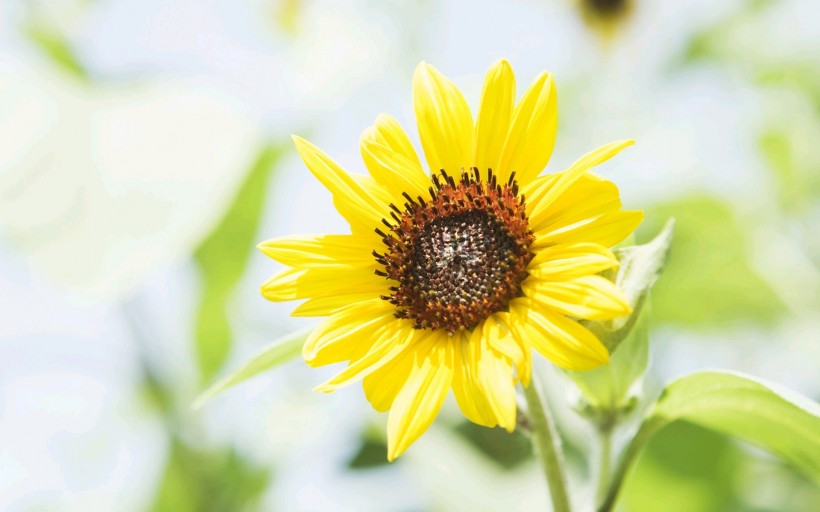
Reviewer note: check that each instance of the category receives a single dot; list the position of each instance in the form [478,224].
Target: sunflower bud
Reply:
[611,390]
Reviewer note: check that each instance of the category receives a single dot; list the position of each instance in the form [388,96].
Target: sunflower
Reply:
[605,16]
[448,280]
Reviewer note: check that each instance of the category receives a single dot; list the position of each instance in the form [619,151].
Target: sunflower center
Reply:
[607,6]
[459,257]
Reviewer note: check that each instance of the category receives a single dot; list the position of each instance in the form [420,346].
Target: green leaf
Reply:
[767,415]
[686,468]
[280,351]
[222,258]
[770,416]
[607,390]
[709,281]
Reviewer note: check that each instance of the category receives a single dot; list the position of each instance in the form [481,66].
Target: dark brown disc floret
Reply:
[458,256]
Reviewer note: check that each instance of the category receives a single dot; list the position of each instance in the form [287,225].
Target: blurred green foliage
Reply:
[709,281]
[796,173]
[507,449]
[54,46]
[371,453]
[197,480]
[711,42]
[222,258]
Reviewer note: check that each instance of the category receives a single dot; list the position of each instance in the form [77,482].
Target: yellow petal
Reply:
[388,132]
[588,297]
[337,337]
[561,340]
[509,346]
[299,283]
[313,251]
[607,230]
[587,197]
[560,262]
[391,160]
[494,115]
[552,190]
[469,396]
[529,144]
[444,119]
[419,401]
[363,207]
[324,306]
[495,375]
[393,170]
[391,340]
[382,386]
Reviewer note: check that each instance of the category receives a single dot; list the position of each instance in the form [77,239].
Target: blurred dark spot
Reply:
[508,450]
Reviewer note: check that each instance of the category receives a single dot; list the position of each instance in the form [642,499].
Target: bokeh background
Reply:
[145,150]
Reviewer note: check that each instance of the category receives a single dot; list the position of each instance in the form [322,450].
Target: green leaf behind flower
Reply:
[280,351]
[222,258]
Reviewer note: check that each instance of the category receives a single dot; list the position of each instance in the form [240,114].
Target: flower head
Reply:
[605,16]
[448,280]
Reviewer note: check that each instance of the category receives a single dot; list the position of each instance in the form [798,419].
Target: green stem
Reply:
[605,444]
[630,454]
[548,446]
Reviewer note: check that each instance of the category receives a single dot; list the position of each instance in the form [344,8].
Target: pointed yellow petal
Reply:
[494,115]
[337,337]
[561,340]
[312,251]
[504,342]
[586,198]
[388,132]
[469,396]
[419,401]
[554,189]
[363,207]
[495,375]
[391,340]
[587,297]
[606,230]
[298,283]
[444,119]
[394,171]
[529,144]
[564,261]
[324,306]
[382,386]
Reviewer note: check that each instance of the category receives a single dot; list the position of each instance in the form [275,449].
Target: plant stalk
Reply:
[604,462]
[547,446]
[630,455]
